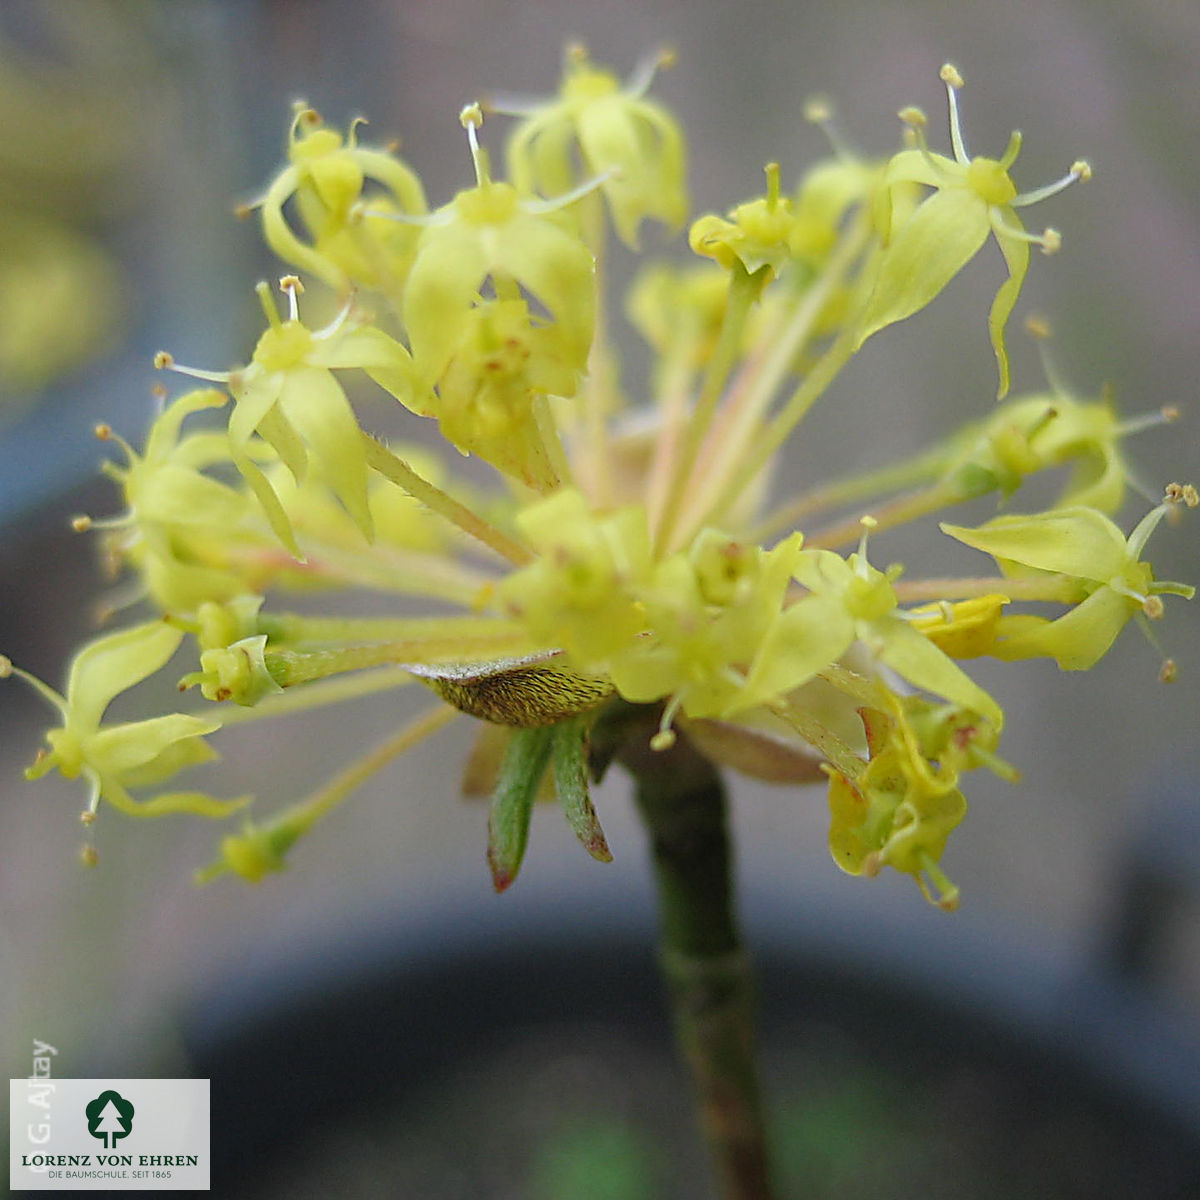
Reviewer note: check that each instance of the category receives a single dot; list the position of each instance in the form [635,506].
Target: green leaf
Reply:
[571,784]
[512,805]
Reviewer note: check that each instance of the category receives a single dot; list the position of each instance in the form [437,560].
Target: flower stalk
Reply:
[710,990]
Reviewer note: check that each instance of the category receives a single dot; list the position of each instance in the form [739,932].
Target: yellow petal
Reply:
[1016,254]
[927,251]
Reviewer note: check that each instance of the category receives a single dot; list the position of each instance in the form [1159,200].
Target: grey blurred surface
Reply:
[99,958]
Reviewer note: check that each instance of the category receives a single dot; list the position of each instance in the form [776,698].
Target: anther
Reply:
[1038,327]
[6,667]
[292,287]
[817,110]
[950,76]
[87,817]
[81,523]
[88,856]
[1184,493]
[102,432]
[1168,671]
[1051,241]
[164,361]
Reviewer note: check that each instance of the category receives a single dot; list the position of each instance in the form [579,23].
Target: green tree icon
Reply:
[109,1117]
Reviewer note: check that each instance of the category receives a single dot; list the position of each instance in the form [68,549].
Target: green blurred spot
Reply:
[603,1160]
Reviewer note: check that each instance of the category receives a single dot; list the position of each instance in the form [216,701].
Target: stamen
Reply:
[360,209]
[953,80]
[1137,540]
[664,739]
[1080,172]
[868,523]
[291,285]
[82,524]
[47,693]
[1185,493]
[915,122]
[302,114]
[352,131]
[541,207]
[819,111]
[471,118]
[643,74]
[335,326]
[1165,416]
[103,432]
[88,856]
[1168,671]
[509,104]
[164,361]
[1039,328]
[1049,241]
[948,898]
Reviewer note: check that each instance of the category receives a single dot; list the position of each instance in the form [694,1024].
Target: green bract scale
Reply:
[626,558]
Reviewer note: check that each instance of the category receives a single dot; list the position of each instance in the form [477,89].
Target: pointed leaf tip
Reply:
[512,804]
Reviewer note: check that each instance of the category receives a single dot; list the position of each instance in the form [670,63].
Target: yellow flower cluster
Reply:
[630,556]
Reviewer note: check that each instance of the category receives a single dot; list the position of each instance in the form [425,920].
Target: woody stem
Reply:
[681,799]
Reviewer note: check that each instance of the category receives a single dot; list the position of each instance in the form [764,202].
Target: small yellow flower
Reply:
[852,601]
[179,521]
[758,233]
[972,198]
[632,144]
[582,592]
[134,754]
[490,234]
[326,177]
[289,397]
[1094,557]
[893,813]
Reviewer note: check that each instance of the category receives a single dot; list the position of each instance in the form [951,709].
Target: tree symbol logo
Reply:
[109,1117]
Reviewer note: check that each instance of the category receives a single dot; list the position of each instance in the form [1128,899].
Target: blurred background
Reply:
[130,130]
